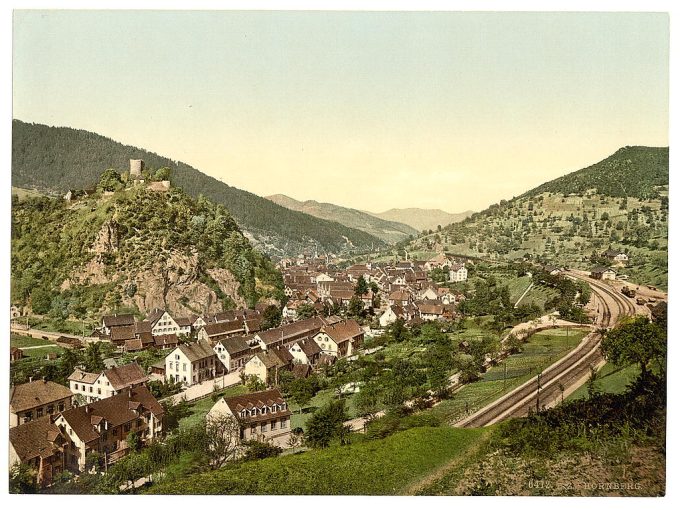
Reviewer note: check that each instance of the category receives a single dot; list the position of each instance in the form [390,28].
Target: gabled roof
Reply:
[36,393]
[431,308]
[308,346]
[343,331]
[126,375]
[155,316]
[122,333]
[235,345]
[37,438]
[115,410]
[184,322]
[257,399]
[197,350]
[118,320]
[83,377]
[287,332]
[143,327]
[223,328]
[269,359]
[400,295]
[164,341]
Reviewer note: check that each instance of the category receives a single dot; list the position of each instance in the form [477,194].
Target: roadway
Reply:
[567,374]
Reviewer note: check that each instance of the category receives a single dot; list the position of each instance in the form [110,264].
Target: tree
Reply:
[92,360]
[41,301]
[222,433]
[361,287]
[162,174]
[110,180]
[636,340]
[368,401]
[399,331]
[355,307]
[271,317]
[134,441]
[22,479]
[257,450]
[306,311]
[326,424]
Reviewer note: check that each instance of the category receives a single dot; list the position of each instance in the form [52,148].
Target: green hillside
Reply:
[57,159]
[572,220]
[388,231]
[133,248]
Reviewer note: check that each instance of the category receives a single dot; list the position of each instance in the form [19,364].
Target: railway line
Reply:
[564,375]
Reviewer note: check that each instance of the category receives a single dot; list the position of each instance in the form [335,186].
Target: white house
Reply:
[340,339]
[263,416]
[191,363]
[390,315]
[458,273]
[93,387]
[233,352]
[162,323]
[305,351]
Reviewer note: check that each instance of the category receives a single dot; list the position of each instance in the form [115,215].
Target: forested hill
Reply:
[57,159]
[630,172]
[620,202]
[128,247]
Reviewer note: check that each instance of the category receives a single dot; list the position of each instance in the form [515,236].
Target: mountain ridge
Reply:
[421,219]
[56,159]
[388,231]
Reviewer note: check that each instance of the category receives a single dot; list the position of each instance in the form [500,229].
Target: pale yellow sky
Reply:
[367,110]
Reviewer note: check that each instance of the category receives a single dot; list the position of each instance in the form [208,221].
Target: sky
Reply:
[370,110]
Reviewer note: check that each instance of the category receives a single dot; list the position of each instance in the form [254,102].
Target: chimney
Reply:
[88,410]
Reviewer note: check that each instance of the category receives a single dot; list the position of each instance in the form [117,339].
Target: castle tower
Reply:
[136,167]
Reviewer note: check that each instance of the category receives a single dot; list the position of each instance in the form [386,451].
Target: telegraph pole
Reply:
[538,392]
[505,371]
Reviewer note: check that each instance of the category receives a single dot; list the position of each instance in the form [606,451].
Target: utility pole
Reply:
[505,371]
[538,392]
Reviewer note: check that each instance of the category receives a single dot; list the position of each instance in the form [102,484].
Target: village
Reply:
[329,313]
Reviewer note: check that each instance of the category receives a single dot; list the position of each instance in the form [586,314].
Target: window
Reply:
[61,406]
[99,391]
[184,367]
[39,412]
[50,409]
[284,423]
[273,427]
[263,428]
[253,430]
[90,389]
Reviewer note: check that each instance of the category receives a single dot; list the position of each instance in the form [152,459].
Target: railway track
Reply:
[564,373]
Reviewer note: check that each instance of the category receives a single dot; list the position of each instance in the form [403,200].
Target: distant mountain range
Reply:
[388,231]
[422,219]
[56,159]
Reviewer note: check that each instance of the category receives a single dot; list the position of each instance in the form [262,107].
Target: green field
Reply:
[382,466]
[21,341]
[541,351]
[610,379]
[200,408]
[42,352]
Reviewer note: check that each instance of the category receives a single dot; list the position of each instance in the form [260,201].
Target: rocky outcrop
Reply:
[173,284]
